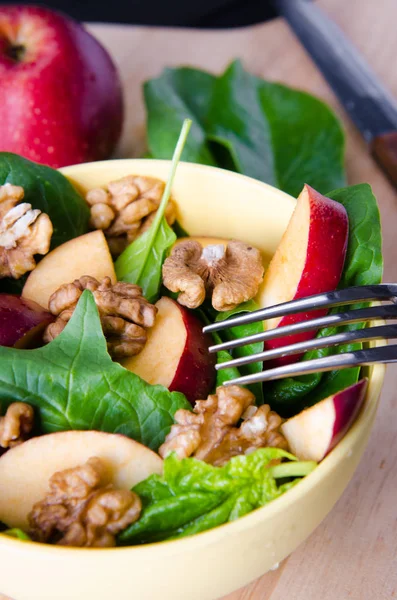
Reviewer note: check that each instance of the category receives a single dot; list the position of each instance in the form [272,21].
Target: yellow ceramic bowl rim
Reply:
[331,461]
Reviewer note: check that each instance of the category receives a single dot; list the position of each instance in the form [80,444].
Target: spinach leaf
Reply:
[74,384]
[363,266]
[169,99]
[18,534]
[242,331]
[132,267]
[49,191]
[240,122]
[193,496]
[142,261]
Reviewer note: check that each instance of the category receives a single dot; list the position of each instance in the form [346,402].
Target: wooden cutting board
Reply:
[353,554]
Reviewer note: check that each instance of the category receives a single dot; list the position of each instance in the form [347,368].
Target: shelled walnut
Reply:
[24,232]
[82,509]
[125,314]
[211,432]
[126,207]
[228,275]
[16,424]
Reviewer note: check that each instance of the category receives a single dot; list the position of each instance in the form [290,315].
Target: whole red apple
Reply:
[60,93]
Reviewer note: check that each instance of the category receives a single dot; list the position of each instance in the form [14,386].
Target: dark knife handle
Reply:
[384,149]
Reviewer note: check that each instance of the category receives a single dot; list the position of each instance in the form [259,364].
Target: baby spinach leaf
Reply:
[142,261]
[282,136]
[193,496]
[74,384]
[131,265]
[49,191]
[363,266]
[169,99]
[18,534]
[242,331]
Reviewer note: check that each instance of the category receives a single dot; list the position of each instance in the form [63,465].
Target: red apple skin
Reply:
[347,404]
[61,103]
[195,375]
[21,321]
[326,252]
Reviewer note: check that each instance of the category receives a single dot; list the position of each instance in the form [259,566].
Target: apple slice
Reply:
[316,430]
[22,321]
[25,470]
[309,260]
[176,353]
[85,255]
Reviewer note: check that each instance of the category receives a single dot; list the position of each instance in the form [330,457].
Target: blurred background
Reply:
[181,13]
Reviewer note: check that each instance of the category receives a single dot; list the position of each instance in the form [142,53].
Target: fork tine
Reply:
[388,311]
[368,293]
[359,335]
[382,354]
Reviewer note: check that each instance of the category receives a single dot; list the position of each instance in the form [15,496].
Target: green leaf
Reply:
[129,264]
[141,262]
[49,191]
[18,534]
[248,350]
[276,134]
[74,384]
[193,496]
[170,98]
[363,266]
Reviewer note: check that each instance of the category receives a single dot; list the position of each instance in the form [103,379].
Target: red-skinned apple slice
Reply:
[309,260]
[316,430]
[85,255]
[25,470]
[21,321]
[176,353]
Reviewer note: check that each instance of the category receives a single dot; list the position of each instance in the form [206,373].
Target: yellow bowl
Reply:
[211,202]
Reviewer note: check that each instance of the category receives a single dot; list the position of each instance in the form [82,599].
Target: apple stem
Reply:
[293,469]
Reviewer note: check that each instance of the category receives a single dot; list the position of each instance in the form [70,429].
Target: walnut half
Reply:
[24,232]
[125,314]
[81,509]
[16,424]
[210,433]
[126,207]
[228,275]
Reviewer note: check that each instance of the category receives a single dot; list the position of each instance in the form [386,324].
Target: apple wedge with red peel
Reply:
[25,470]
[22,321]
[87,254]
[316,430]
[309,260]
[176,353]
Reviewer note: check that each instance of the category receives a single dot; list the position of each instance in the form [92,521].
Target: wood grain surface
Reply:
[353,554]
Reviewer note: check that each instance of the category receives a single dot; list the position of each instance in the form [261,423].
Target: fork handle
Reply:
[384,149]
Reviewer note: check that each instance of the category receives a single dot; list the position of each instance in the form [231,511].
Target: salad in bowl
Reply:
[116,431]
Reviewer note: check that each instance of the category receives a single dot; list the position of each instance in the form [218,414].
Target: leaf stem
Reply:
[152,232]
[293,469]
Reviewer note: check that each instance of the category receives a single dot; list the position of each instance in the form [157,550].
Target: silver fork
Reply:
[348,296]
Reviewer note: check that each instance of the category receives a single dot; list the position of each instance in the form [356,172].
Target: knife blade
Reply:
[366,100]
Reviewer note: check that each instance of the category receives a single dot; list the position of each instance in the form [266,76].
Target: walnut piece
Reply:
[125,314]
[126,208]
[228,275]
[24,232]
[16,424]
[81,508]
[210,433]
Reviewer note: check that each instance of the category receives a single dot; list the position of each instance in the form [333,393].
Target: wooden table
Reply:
[353,554]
